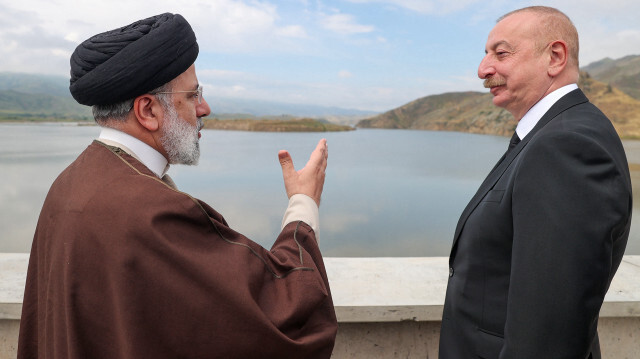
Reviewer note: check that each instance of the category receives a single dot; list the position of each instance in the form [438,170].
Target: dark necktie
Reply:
[514,141]
[512,144]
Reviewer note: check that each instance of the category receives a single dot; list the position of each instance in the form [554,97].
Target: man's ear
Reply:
[558,58]
[148,111]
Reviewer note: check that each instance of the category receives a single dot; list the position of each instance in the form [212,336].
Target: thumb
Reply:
[286,162]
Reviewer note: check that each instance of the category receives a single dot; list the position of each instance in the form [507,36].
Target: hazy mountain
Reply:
[17,105]
[29,95]
[623,73]
[35,84]
[613,85]
[267,108]
[474,112]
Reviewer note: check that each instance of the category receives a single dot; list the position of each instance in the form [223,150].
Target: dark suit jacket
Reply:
[535,250]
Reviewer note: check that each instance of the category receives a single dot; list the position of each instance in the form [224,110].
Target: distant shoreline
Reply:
[69,122]
[295,125]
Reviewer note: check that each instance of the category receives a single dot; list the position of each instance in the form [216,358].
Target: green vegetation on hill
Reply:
[16,105]
[26,97]
[295,125]
[35,84]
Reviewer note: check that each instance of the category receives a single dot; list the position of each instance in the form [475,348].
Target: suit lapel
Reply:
[571,99]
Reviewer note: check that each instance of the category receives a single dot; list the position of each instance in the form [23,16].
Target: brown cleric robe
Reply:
[124,266]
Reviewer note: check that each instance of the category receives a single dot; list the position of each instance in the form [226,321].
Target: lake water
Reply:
[387,192]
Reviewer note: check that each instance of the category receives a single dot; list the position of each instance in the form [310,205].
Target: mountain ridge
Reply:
[32,95]
[623,73]
[612,85]
[474,112]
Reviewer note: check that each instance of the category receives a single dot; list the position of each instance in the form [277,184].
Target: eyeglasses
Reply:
[197,93]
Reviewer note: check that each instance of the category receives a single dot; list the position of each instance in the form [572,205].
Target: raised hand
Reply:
[310,179]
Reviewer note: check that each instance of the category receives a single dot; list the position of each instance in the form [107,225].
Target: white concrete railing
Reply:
[386,307]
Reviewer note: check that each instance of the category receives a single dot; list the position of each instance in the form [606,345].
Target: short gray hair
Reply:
[553,25]
[118,112]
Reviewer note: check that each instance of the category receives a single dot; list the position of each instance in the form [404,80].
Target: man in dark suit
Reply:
[535,250]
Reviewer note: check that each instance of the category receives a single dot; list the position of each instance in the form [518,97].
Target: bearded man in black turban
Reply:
[124,265]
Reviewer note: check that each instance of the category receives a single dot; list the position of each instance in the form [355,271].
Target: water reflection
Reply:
[387,192]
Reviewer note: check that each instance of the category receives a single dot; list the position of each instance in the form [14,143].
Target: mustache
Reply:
[493,81]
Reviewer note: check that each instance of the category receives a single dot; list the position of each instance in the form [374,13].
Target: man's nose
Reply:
[203,109]
[486,68]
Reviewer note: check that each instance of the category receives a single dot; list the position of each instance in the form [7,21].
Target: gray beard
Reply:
[180,139]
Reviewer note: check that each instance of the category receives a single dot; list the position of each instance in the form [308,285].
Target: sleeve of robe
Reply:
[129,268]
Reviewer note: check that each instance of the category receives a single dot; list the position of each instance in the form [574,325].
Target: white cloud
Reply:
[38,36]
[596,44]
[344,24]
[294,31]
[430,7]
[467,82]
[28,46]
[30,30]
[606,28]
[327,93]
[379,97]
[73,37]
[241,26]
[221,75]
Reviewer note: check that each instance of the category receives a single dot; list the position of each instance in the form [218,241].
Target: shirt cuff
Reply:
[302,208]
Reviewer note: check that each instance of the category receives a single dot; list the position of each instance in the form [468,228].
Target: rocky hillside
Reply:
[623,73]
[622,109]
[459,111]
[474,112]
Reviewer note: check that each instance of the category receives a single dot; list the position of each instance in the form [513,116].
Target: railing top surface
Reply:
[370,289]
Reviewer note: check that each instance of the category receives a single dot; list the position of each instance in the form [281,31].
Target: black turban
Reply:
[121,64]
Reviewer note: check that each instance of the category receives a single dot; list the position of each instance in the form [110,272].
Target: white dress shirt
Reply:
[301,207]
[531,118]
[144,153]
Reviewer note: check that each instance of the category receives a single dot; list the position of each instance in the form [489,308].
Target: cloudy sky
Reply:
[360,54]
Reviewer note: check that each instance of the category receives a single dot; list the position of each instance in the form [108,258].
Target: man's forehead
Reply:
[498,37]
[510,31]
[188,78]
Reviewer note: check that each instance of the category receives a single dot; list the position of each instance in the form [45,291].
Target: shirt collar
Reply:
[151,158]
[531,118]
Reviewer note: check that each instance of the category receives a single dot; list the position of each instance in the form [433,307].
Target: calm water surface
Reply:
[387,192]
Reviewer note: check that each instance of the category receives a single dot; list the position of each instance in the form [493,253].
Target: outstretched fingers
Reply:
[285,162]
[319,156]
[310,179]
